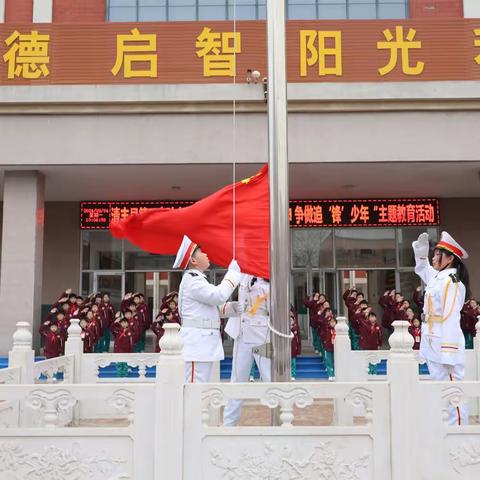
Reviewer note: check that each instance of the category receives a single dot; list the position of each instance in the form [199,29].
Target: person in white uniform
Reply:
[442,342]
[251,336]
[201,305]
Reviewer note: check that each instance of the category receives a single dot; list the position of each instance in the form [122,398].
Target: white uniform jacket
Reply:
[252,326]
[442,338]
[198,304]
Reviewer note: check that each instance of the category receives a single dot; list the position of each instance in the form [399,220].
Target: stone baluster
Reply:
[169,405]
[402,371]
[74,346]
[22,355]
[343,372]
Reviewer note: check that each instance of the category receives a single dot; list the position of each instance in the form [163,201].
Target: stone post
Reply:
[402,372]
[74,346]
[342,357]
[169,406]
[22,354]
[341,351]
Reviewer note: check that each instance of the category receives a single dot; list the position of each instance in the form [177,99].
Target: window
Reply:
[365,247]
[184,10]
[312,248]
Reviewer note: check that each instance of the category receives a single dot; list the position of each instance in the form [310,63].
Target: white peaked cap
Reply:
[184,253]
[447,242]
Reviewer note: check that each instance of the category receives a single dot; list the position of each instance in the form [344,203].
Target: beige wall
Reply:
[61,254]
[461,218]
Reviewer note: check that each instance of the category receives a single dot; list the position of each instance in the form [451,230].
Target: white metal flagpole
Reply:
[278,177]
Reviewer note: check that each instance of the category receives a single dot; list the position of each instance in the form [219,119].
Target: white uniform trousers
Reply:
[242,362]
[442,372]
[198,372]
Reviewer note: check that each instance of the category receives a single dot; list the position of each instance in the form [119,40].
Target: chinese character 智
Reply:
[402,44]
[218,51]
[136,48]
[27,56]
[313,49]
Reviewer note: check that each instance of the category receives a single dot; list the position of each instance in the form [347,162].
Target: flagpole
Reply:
[279,200]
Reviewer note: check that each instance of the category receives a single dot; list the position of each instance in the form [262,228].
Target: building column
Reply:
[22,254]
[42,11]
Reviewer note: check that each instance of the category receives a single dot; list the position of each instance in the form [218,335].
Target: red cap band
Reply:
[450,248]
[188,255]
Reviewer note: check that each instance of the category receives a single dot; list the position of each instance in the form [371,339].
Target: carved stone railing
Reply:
[51,367]
[53,406]
[92,363]
[10,375]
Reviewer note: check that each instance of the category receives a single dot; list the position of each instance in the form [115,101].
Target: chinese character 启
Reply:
[218,51]
[402,45]
[27,56]
[138,49]
[310,53]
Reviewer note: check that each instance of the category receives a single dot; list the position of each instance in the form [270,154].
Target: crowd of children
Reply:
[98,321]
[322,324]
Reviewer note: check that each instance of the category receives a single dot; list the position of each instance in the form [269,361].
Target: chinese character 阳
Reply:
[136,49]
[218,50]
[402,45]
[27,56]
[314,49]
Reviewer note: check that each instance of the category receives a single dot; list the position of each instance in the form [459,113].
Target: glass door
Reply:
[372,283]
[110,283]
[299,285]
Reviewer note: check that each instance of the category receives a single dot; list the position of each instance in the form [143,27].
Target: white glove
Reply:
[421,245]
[240,308]
[234,267]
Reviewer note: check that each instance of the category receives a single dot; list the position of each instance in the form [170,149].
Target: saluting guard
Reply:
[442,342]
[251,336]
[201,305]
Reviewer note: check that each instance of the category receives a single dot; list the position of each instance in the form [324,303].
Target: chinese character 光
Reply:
[476,43]
[139,49]
[403,45]
[28,55]
[310,53]
[218,51]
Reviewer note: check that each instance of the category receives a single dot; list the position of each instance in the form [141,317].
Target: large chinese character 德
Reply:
[476,43]
[402,44]
[218,51]
[136,48]
[27,56]
[310,53]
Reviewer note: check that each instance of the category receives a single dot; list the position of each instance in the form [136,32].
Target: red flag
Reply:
[209,222]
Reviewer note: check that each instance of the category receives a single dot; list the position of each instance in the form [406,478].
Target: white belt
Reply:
[202,323]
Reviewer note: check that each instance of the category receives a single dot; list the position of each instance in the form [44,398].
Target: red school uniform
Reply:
[416,333]
[370,335]
[123,338]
